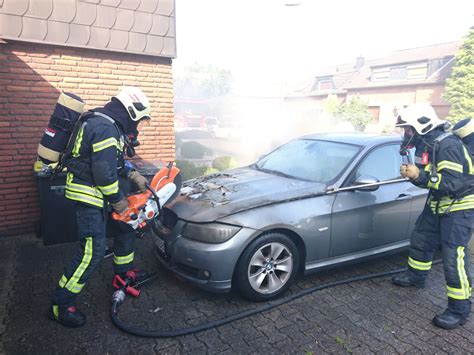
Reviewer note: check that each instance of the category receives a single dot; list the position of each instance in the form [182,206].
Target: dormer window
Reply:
[323,83]
[400,72]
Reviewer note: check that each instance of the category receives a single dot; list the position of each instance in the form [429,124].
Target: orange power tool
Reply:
[146,206]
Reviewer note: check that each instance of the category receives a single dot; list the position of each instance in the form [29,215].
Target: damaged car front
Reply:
[237,226]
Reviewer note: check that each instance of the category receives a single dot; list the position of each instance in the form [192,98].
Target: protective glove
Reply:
[409,171]
[138,179]
[120,206]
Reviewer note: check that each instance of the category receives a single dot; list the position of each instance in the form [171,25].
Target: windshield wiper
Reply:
[279,173]
[256,167]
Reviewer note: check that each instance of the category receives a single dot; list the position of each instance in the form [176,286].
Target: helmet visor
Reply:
[400,122]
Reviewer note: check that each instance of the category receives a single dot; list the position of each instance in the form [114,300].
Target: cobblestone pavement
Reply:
[362,317]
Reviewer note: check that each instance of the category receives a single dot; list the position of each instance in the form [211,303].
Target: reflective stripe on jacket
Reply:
[99,143]
[454,174]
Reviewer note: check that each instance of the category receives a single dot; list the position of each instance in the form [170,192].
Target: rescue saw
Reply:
[144,208]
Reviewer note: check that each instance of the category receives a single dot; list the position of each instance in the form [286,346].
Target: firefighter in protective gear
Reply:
[442,164]
[93,183]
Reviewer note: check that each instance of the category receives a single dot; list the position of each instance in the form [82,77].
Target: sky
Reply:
[271,43]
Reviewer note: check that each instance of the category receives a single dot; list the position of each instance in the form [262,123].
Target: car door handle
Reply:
[403,197]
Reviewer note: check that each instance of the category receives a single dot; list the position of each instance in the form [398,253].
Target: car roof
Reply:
[361,139]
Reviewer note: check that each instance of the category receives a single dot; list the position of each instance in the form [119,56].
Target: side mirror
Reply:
[371,181]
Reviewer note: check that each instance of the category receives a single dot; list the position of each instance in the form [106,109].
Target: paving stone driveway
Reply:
[363,317]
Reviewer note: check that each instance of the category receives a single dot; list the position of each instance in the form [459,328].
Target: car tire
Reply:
[267,267]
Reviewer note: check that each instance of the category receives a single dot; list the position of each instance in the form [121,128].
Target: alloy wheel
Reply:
[270,268]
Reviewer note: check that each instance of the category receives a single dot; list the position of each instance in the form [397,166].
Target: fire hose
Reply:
[119,297]
[126,286]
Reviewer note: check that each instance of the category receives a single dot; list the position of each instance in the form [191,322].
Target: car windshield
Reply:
[308,159]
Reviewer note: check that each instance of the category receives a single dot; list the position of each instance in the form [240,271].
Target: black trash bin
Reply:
[57,213]
[57,216]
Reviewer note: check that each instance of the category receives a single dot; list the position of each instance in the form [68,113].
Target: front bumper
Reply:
[209,266]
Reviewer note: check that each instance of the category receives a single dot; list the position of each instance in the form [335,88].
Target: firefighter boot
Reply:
[69,317]
[455,315]
[409,278]
[449,320]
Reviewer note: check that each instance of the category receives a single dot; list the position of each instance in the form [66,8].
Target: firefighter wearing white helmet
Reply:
[444,166]
[93,184]
[422,117]
[136,103]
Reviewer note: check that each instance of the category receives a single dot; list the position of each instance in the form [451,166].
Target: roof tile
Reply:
[138,26]
[106,16]
[10,25]
[165,7]
[154,44]
[86,13]
[130,4]
[143,22]
[418,54]
[125,20]
[79,34]
[15,7]
[100,37]
[34,28]
[137,42]
[114,3]
[64,11]
[58,32]
[160,25]
[40,9]
[169,46]
[118,39]
[172,28]
[148,6]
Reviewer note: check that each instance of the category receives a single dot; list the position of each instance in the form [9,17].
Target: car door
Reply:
[363,220]
[419,197]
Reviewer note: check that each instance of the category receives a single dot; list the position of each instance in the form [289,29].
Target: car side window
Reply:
[382,163]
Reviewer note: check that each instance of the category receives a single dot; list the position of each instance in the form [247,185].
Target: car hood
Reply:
[208,198]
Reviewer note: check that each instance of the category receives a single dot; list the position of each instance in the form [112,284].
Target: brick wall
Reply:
[31,78]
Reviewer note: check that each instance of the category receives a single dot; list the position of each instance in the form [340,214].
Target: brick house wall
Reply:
[31,78]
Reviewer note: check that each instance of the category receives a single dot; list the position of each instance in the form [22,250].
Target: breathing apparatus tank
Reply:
[67,111]
[464,129]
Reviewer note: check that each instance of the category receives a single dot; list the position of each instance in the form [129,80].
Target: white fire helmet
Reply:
[135,102]
[422,117]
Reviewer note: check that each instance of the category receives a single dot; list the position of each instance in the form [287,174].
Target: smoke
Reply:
[254,126]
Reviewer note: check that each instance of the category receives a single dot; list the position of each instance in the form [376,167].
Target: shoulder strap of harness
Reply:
[78,166]
[108,118]
[442,137]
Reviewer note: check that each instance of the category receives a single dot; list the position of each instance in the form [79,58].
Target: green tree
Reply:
[223,163]
[356,111]
[460,86]
[199,81]
[190,170]
[332,105]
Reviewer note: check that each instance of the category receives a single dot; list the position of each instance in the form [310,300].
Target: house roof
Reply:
[346,76]
[417,54]
[133,26]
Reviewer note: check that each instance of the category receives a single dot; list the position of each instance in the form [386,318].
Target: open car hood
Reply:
[209,198]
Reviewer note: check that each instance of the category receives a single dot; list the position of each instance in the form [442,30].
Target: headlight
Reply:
[209,232]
